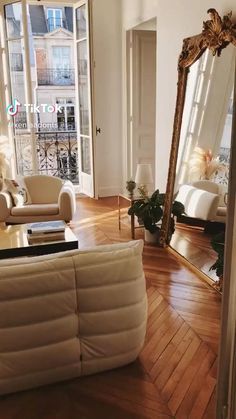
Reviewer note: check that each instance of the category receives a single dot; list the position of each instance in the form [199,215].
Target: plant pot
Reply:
[152,238]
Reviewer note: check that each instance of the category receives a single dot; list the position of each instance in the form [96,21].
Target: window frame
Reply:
[53,26]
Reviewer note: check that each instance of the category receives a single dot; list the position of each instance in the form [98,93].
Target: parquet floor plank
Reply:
[163,361]
[153,317]
[196,385]
[166,338]
[164,321]
[210,410]
[187,378]
[183,364]
[175,374]
[168,369]
[203,398]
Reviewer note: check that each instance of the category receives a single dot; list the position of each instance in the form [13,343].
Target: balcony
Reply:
[57,153]
[55,77]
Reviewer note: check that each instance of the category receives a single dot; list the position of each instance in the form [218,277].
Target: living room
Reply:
[93,152]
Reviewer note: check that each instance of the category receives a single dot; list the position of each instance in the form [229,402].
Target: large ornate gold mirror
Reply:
[200,153]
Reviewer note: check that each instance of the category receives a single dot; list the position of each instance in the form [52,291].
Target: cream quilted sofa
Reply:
[70,314]
[48,199]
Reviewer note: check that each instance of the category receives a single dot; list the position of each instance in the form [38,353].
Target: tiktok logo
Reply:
[13,109]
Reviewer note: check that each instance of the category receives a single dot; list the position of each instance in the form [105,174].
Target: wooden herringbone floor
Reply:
[175,375]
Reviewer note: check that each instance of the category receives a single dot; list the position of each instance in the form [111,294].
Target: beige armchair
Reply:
[48,198]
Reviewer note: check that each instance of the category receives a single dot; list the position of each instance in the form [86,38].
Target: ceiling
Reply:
[50,2]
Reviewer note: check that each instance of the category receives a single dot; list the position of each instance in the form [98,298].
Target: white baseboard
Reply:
[104,191]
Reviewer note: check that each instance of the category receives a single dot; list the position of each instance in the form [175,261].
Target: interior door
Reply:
[143,93]
[83,71]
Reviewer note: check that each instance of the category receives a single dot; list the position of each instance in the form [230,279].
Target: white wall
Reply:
[176,20]
[137,11]
[108,95]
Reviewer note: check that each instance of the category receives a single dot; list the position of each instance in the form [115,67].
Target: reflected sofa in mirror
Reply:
[200,154]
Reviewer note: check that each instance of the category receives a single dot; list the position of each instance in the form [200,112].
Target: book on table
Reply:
[46,227]
[49,237]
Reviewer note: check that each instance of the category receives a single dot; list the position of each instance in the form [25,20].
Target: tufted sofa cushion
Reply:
[70,314]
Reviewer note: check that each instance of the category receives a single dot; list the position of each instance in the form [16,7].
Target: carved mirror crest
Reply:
[199,57]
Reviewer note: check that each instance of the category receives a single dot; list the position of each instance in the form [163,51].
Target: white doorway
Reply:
[84,93]
[141,96]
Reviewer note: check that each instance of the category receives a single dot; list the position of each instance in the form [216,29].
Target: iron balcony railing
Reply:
[55,77]
[57,153]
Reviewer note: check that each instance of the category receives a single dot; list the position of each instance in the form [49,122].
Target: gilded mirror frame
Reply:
[216,35]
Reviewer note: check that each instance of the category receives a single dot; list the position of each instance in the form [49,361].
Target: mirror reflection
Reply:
[202,170]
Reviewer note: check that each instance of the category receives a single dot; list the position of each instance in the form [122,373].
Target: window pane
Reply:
[65,51]
[70,110]
[24,154]
[83,88]
[60,100]
[71,124]
[50,13]
[16,61]
[13,15]
[86,162]
[61,58]
[81,22]
[56,51]
[58,14]
[17,82]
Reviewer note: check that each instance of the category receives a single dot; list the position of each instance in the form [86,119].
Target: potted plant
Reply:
[130,186]
[218,244]
[150,211]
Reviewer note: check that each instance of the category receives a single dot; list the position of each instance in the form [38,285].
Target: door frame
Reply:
[130,58]
[27,81]
[226,382]
[91,67]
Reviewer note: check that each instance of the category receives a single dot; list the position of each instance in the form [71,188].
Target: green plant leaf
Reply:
[150,211]
[218,244]
[177,208]
[155,195]
[161,199]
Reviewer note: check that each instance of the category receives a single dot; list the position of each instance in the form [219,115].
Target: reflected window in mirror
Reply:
[207,119]
[222,176]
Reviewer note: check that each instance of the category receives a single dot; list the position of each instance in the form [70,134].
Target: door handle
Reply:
[98,130]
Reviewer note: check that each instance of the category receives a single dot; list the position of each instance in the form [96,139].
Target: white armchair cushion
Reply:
[43,189]
[35,209]
[198,203]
